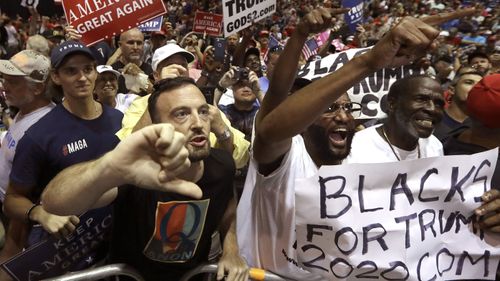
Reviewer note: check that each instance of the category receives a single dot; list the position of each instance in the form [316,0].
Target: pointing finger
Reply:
[444,17]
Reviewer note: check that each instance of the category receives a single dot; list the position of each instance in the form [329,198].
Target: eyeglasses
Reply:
[352,108]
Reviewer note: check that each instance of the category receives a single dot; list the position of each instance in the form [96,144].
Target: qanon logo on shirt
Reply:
[178,229]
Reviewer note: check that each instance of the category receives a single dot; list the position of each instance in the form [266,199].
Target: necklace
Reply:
[96,110]
[392,148]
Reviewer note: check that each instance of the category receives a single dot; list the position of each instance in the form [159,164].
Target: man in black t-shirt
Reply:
[158,231]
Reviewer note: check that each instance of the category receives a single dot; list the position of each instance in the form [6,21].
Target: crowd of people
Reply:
[196,156]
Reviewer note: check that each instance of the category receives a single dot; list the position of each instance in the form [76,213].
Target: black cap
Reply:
[477,54]
[67,48]
[252,51]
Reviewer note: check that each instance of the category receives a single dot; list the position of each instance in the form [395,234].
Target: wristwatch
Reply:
[225,135]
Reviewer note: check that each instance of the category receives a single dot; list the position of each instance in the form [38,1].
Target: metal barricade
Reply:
[121,269]
[255,273]
[100,272]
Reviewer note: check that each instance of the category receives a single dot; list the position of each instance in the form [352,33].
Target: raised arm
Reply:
[268,151]
[275,126]
[149,158]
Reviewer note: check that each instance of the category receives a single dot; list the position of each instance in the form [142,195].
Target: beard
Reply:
[198,153]
[329,153]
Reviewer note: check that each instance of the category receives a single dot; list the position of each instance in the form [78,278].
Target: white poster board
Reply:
[371,92]
[239,14]
[409,220]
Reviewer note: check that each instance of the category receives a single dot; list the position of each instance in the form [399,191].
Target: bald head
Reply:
[132,46]
[131,32]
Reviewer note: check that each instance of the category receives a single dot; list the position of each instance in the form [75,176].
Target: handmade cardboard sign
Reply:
[408,220]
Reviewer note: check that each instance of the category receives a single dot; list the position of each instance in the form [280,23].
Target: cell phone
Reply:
[219,49]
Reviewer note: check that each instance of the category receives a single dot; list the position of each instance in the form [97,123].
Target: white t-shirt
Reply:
[266,214]
[369,147]
[11,35]
[16,131]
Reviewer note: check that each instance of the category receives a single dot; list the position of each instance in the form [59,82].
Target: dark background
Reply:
[45,7]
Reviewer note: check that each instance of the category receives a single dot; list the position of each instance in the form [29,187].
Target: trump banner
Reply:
[355,14]
[372,91]
[53,256]
[98,20]
[407,220]
[240,14]
[152,25]
[208,23]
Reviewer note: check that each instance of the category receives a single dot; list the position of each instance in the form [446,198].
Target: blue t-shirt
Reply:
[59,140]
[241,120]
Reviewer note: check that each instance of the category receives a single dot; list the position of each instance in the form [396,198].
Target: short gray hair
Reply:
[38,43]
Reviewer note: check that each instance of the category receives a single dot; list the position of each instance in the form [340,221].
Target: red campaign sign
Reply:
[207,22]
[101,19]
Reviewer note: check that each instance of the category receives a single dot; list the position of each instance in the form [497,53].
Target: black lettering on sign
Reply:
[465,254]
[250,3]
[449,221]
[367,99]
[240,6]
[429,225]
[338,261]
[336,195]
[320,257]
[361,197]
[391,73]
[462,220]
[440,260]
[311,231]
[356,89]
[372,269]
[419,266]
[303,71]
[394,265]
[318,70]
[376,81]
[340,59]
[383,103]
[400,181]
[422,182]
[457,186]
[229,4]
[345,241]
[378,237]
[483,178]
[406,219]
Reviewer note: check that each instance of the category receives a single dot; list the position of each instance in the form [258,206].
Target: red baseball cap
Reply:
[483,102]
